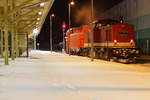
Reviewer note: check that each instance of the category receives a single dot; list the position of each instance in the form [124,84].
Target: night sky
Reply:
[80,14]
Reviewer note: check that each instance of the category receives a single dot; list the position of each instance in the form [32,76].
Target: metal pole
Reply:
[38,46]
[6,43]
[34,42]
[92,16]
[12,34]
[147,41]
[6,32]
[17,42]
[51,41]
[1,33]
[12,44]
[69,29]
[137,22]
[63,50]
[27,45]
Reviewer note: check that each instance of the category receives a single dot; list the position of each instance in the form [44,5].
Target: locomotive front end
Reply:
[124,46]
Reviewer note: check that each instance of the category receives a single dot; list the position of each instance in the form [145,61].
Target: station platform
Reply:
[49,75]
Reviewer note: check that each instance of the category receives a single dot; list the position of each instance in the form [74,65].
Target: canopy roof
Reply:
[28,14]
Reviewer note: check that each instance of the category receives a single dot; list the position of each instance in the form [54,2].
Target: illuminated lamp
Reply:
[38,18]
[115,41]
[42,4]
[35,31]
[40,13]
[131,41]
[63,26]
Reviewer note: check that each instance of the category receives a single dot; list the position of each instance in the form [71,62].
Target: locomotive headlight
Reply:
[115,41]
[132,51]
[137,52]
[117,52]
[131,41]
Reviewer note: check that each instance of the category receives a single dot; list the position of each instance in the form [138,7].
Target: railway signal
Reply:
[63,29]
[63,25]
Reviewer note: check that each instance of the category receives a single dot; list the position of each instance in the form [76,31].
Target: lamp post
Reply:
[51,32]
[69,6]
[92,17]
[38,46]
[63,29]
[34,42]
[35,31]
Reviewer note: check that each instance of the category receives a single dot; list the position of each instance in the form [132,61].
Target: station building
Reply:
[136,12]
[20,21]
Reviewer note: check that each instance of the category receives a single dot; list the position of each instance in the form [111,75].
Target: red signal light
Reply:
[63,25]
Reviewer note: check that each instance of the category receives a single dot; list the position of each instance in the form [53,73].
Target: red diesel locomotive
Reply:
[111,40]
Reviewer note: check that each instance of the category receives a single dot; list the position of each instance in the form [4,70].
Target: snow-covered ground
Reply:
[54,76]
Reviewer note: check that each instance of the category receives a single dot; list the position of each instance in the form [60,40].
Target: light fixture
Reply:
[38,18]
[72,3]
[53,15]
[42,4]
[35,31]
[115,41]
[37,23]
[131,40]
[40,13]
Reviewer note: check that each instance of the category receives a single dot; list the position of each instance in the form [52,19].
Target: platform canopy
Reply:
[27,14]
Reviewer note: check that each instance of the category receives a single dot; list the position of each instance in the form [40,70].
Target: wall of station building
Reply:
[136,12]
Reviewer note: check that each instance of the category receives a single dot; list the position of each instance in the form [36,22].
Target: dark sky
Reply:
[80,14]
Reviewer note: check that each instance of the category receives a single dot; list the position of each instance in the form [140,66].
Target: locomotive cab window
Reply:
[123,32]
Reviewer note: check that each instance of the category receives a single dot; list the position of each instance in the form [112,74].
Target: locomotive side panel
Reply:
[86,32]
[73,41]
[66,39]
[86,39]
[76,42]
[109,35]
[80,40]
[105,37]
[96,35]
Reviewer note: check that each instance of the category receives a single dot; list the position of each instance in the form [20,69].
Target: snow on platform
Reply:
[48,75]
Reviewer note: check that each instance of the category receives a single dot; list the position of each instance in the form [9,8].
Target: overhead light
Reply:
[42,4]
[40,13]
[35,31]
[53,15]
[37,23]
[38,18]
[72,3]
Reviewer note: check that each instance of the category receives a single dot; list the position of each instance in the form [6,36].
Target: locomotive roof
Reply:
[106,22]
